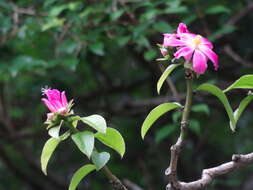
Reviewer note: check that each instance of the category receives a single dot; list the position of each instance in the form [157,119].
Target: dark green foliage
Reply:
[102,53]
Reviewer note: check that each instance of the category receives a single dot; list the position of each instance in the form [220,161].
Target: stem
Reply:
[116,183]
[171,171]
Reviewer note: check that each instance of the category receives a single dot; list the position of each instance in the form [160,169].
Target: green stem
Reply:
[171,171]
[116,183]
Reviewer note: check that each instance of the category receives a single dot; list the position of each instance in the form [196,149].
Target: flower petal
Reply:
[172,42]
[206,42]
[182,28]
[49,105]
[199,62]
[186,52]
[53,94]
[64,99]
[211,55]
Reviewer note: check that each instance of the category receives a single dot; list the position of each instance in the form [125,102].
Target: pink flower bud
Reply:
[164,51]
[56,102]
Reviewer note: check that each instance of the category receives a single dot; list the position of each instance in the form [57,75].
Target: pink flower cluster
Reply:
[192,47]
[56,102]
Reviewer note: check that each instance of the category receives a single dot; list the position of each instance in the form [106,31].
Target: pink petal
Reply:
[64,99]
[199,62]
[57,104]
[211,55]
[53,94]
[172,42]
[182,28]
[49,105]
[185,52]
[206,42]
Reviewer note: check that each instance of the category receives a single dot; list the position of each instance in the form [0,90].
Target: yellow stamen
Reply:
[197,40]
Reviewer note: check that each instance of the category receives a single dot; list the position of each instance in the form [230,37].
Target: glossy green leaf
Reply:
[223,98]
[113,139]
[84,141]
[95,121]
[54,131]
[165,74]
[80,174]
[47,152]
[100,159]
[243,104]
[155,114]
[245,81]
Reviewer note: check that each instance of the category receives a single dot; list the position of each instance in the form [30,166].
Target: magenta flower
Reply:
[56,102]
[192,47]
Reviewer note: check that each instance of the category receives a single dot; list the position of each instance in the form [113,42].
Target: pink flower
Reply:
[56,102]
[193,48]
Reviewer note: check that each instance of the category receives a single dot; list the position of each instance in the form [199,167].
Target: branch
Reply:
[116,183]
[171,171]
[208,175]
[230,52]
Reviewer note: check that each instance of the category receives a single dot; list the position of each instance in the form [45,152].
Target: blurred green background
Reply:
[102,53]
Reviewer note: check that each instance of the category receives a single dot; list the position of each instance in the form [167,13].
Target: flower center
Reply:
[197,40]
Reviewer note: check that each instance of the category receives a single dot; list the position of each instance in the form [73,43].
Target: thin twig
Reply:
[231,53]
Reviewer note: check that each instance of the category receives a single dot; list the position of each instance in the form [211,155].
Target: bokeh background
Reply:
[103,54]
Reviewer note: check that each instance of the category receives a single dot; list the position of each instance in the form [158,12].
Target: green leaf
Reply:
[113,139]
[243,104]
[80,174]
[150,54]
[217,9]
[195,126]
[164,132]
[54,131]
[100,159]
[165,74]
[95,121]
[201,108]
[223,98]
[155,114]
[47,152]
[243,82]
[97,48]
[84,141]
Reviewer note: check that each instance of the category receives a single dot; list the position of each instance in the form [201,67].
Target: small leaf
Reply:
[84,141]
[155,114]
[201,108]
[95,121]
[54,131]
[217,9]
[150,54]
[243,82]
[165,74]
[113,139]
[223,98]
[80,174]
[97,48]
[47,152]
[164,132]
[243,104]
[100,159]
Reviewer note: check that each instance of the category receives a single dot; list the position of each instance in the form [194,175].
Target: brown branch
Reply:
[131,185]
[237,58]
[116,183]
[238,161]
